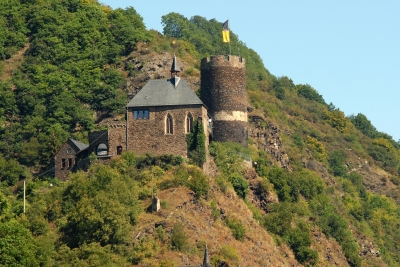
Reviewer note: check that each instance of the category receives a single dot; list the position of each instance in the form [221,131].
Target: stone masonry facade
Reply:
[67,159]
[223,91]
[114,138]
[150,135]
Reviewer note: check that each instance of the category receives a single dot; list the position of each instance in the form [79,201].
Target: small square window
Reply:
[143,114]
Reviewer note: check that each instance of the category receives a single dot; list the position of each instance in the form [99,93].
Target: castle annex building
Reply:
[160,115]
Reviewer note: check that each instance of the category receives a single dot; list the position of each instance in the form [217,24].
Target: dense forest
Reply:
[63,64]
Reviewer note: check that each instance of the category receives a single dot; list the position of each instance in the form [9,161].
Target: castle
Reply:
[162,113]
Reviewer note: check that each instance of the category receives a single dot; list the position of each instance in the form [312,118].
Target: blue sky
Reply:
[349,51]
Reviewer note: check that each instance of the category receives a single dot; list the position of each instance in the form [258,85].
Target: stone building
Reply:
[223,90]
[108,143]
[161,114]
[69,157]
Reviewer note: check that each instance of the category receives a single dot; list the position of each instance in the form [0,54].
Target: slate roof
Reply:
[164,93]
[81,146]
[175,66]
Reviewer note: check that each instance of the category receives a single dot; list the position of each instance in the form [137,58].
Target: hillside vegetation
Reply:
[63,67]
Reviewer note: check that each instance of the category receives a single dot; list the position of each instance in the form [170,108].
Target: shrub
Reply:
[198,182]
[229,253]
[310,93]
[318,149]
[336,119]
[310,184]
[196,143]
[286,185]
[164,161]
[240,185]
[336,162]
[179,240]
[279,220]
[237,228]
[297,140]
[214,210]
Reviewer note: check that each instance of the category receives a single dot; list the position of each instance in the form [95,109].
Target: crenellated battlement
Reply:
[222,60]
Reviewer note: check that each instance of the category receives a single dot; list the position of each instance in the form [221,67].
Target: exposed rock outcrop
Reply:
[266,136]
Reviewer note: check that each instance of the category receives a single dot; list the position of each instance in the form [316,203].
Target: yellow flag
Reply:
[225,36]
[225,32]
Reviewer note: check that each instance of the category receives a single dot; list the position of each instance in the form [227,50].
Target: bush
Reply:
[362,123]
[198,182]
[336,162]
[214,210]
[310,93]
[310,184]
[240,185]
[279,220]
[336,119]
[196,143]
[179,240]
[286,185]
[237,228]
[229,253]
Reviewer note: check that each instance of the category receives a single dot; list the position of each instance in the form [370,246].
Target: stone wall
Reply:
[149,136]
[223,91]
[230,131]
[97,138]
[59,171]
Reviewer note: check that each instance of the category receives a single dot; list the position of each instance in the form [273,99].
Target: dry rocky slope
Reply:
[259,248]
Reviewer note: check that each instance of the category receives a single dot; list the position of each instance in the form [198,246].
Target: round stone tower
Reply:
[223,91]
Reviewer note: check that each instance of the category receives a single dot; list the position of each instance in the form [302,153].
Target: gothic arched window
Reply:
[189,122]
[169,125]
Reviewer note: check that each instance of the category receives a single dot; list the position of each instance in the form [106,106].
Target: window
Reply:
[141,114]
[63,162]
[169,125]
[189,123]
[119,150]
[101,150]
[69,162]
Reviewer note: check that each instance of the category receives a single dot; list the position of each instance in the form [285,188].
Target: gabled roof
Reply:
[81,146]
[164,93]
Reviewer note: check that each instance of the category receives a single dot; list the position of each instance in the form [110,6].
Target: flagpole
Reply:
[230,53]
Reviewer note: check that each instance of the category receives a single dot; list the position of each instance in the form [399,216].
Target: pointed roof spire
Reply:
[175,66]
[206,261]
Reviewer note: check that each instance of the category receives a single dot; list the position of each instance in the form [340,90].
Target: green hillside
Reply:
[63,66]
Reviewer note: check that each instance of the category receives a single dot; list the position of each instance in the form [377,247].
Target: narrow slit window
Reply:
[169,124]
[189,123]
[63,163]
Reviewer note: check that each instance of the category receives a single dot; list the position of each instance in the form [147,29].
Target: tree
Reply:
[362,123]
[196,142]
[17,246]
[310,93]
